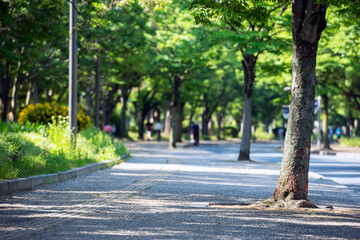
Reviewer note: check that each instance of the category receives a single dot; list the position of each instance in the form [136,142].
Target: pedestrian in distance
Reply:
[191,132]
[148,131]
[338,133]
[196,132]
[158,128]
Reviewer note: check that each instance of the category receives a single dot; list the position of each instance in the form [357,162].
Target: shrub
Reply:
[231,131]
[42,114]
[352,142]
[261,135]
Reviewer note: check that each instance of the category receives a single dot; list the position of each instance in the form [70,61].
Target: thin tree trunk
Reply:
[174,111]
[14,96]
[88,95]
[218,120]
[350,124]
[105,114]
[325,99]
[124,99]
[180,113]
[36,92]
[249,76]
[141,124]
[5,89]
[307,24]
[167,120]
[205,117]
[97,92]
[28,94]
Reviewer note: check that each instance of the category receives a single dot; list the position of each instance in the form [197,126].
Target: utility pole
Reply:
[73,73]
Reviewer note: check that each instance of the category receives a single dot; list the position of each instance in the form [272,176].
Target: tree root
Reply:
[283,204]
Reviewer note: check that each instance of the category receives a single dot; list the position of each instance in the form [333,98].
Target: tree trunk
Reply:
[14,97]
[350,124]
[141,124]
[28,94]
[205,117]
[325,99]
[97,93]
[105,114]
[205,125]
[4,93]
[249,76]
[124,99]
[167,120]
[180,113]
[174,111]
[88,95]
[221,121]
[36,92]
[219,118]
[308,21]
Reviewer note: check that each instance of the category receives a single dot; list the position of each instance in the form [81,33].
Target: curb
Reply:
[339,154]
[20,184]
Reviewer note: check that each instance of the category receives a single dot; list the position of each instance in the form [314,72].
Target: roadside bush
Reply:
[261,135]
[351,142]
[231,131]
[42,113]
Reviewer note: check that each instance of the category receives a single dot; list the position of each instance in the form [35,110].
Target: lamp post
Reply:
[73,73]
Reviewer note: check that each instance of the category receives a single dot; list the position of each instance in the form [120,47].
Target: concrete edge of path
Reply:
[20,184]
[340,154]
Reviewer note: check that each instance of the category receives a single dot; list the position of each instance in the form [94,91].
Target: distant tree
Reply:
[308,22]
[252,28]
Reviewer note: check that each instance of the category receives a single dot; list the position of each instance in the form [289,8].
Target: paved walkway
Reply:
[164,194]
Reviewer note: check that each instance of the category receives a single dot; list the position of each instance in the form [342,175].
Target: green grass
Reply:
[351,142]
[32,150]
[261,135]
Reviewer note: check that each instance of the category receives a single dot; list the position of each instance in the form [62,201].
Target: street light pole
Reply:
[73,73]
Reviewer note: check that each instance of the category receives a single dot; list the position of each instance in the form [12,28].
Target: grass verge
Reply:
[27,150]
[351,142]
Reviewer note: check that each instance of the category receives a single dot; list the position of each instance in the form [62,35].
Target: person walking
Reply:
[158,128]
[196,132]
[148,131]
[338,133]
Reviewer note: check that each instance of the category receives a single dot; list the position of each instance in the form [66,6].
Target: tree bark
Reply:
[88,95]
[97,93]
[28,94]
[5,89]
[124,99]
[350,124]
[174,111]
[180,118]
[14,96]
[308,21]
[205,117]
[249,76]
[167,120]
[141,124]
[219,118]
[36,92]
[325,99]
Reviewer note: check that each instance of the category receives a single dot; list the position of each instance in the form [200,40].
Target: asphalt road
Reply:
[344,170]
[164,194]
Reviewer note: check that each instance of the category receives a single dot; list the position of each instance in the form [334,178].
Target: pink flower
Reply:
[107,128]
